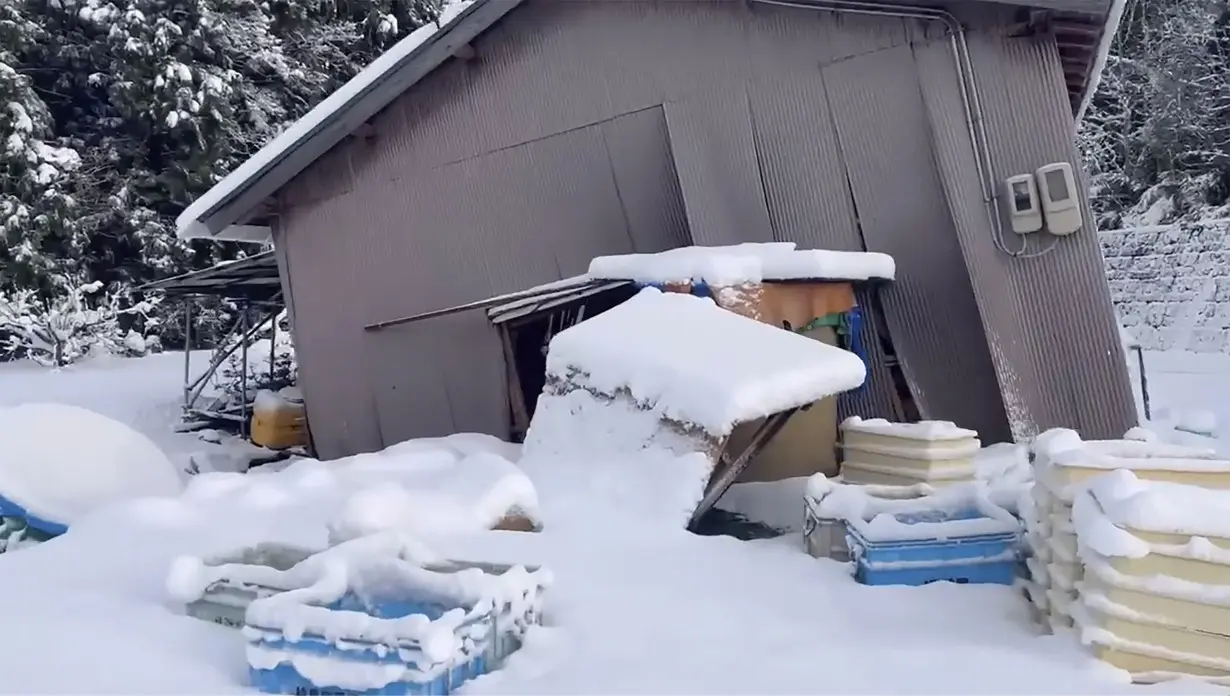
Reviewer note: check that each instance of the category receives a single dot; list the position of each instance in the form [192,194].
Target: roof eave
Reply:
[265,173]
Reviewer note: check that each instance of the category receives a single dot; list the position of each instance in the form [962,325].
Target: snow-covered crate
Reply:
[366,617]
[918,558]
[976,558]
[233,587]
[414,662]
[827,503]
[823,537]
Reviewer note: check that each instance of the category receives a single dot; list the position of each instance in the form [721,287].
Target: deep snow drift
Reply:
[633,609]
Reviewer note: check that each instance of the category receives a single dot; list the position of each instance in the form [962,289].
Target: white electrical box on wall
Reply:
[1023,205]
[1060,201]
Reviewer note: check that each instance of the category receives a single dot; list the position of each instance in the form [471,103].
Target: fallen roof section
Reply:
[254,278]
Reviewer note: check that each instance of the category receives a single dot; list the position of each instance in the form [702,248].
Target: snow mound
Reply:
[587,454]
[698,364]
[62,462]
[475,494]
[743,263]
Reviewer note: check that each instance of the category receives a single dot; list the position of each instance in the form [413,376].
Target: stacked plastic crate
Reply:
[1063,464]
[1154,599]
[958,534]
[901,454]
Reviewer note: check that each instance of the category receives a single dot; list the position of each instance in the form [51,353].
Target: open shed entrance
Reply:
[526,328]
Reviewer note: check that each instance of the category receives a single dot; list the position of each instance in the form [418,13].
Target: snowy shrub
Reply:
[82,321]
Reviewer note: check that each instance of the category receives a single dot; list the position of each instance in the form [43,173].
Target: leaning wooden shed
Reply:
[642,402]
[516,140]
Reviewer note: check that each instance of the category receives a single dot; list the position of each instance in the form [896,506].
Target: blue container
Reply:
[478,635]
[993,573]
[49,528]
[976,559]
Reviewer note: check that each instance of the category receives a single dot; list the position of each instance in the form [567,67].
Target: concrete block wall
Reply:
[1171,284]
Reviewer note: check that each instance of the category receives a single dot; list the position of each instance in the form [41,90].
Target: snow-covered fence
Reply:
[1171,284]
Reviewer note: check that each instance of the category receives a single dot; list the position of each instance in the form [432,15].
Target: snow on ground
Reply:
[634,609]
[1192,391]
[144,394]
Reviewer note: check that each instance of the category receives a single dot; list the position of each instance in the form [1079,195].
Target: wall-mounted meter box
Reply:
[1024,207]
[1060,201]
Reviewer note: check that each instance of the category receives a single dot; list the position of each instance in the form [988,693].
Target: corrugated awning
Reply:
[254,278]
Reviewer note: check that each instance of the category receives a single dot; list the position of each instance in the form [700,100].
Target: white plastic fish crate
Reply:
[226,599]
[823,537]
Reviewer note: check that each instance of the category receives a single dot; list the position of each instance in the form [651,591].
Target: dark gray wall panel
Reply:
[931,313]
[327,279]
[804,177]
[1065,295]
[715,155]
[644,168]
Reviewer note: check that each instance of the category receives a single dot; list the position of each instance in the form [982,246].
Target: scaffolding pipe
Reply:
[243,372]
[187,351]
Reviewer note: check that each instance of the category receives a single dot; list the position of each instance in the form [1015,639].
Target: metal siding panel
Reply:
[1076,349]
[931,313]
[408,386]
[282,257]
[804,179]
[578,213]
[504,221]
[999,302]
[648,187]
[329,281]
[711,138]
[522,73]
[437,377]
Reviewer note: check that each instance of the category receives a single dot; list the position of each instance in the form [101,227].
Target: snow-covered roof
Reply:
[1113,19]
[696,363]
[233,199]
[742,263]
[239,193]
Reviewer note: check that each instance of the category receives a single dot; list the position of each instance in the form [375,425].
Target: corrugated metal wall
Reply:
[931,312]
[608,126]
[1049,319]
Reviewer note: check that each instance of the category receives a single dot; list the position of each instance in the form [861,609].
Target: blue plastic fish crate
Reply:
[974,559]
[49,528]
[481,652]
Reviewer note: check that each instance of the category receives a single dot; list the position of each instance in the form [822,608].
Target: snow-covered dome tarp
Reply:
[60,462]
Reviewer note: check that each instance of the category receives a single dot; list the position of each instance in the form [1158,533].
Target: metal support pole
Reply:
[1144,382]
[273,344]
[187,352]
[243,371]
[725,478]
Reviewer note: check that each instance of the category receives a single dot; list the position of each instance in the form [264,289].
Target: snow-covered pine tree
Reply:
[1157,137]
[117,113]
